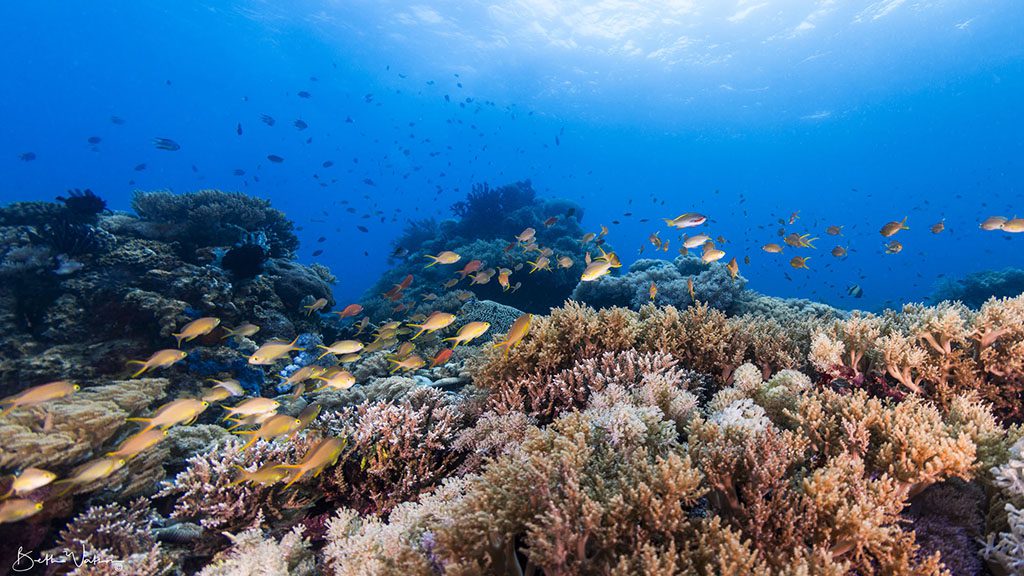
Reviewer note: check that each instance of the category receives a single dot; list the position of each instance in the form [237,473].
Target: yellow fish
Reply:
[565,262]
[436,321]
[340,380]
[268,474]
[800,240]
[542,263]
[196,328]
[526,235]
[516,333]
[733,267]
[893,247]
[183,410]
[652,291]
[272,351]
[278,425]
[938,227]
[159,359]
[28,481]
[839,252]
[412,362]
[1013,225]
[17,509]
[324,454]
[446,257]
[772,248]
[694,241]
[587,237]
[468,332]
[234,387]
[242,331]
[308,415]
[251,407]
[91,471]
[137,443]
[799,262]
[834,231]
[993,223]
[341,347]
[595,270]
[38,395]
[891,228]
[711,254]
[689,288]
[316,306]
[503,275]
[301,375]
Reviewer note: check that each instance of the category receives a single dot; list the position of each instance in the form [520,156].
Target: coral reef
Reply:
[936,351]
[485,229]
[213,218]
[712,284]
[975,289]
[729,433]
[83,294]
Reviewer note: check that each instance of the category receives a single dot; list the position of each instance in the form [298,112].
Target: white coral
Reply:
[742,413]
[747,377]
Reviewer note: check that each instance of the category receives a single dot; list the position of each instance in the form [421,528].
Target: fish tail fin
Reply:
[296,478]
[435,260]
[179,338]
[242,473]
[141,370]
[250,442]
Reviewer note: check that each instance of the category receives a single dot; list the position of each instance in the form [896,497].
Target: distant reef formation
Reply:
[83,290]
[974,289]
[698,429]
[484,228]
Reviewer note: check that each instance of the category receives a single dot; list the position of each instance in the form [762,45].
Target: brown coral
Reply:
[395,452]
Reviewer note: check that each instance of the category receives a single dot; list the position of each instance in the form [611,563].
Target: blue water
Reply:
[852,113]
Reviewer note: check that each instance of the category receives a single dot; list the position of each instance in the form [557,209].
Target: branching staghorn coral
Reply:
[570,519]
[938,351]
[1004,545]
[395,452]
[207,491]
[252,553]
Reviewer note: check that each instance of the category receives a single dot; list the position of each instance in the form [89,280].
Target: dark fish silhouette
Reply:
[238,172]
[140,167]
[238,129]
[268,120]
[116,120]
[301,125]
[304,94]
[327,164]
[166,144]
[362,228]
[27,156]
[275,158]
[369,182]
[95,139]
[317,253]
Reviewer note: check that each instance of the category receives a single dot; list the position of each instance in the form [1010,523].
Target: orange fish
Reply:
[652,291]
[550,221]
[349,311]
[470,267]
[441,357]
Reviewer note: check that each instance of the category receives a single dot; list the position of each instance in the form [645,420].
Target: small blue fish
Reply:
[166,144]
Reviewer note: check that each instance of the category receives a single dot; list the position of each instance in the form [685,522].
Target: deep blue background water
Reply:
[853,115]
